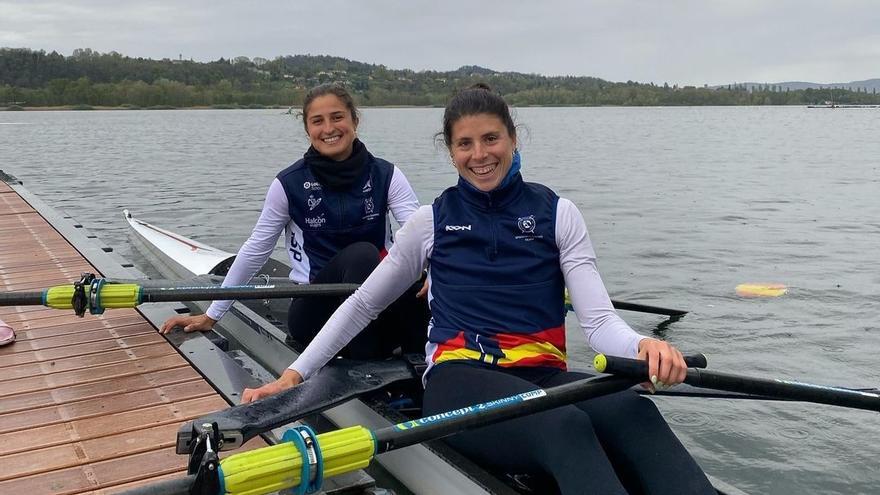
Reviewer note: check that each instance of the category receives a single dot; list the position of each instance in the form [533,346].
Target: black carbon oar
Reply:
[96,295]
[772,388]
[644,308]
[281,466]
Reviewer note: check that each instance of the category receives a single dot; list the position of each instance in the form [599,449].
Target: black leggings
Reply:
[403,324]
[614,444]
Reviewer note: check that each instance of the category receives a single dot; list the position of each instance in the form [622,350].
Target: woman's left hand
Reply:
[666,365]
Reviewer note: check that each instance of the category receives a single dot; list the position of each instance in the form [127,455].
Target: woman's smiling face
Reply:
[482,150]
[331,127]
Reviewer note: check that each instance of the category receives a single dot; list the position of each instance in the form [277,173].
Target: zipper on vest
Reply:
[341,211]
[492,251]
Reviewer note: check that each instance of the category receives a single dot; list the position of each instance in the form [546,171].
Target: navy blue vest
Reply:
[497,288]
[328,220]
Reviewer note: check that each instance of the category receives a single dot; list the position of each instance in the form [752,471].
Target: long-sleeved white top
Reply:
[275,218]
[606,332]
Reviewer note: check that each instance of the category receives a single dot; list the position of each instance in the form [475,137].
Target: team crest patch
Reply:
[527,228]
[526,224]
[369,209]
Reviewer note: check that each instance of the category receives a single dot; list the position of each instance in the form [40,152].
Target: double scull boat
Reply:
[253,332]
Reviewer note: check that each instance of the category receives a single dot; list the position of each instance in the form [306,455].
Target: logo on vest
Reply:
[313,202]
[369,209]
[368,186]
[526,224]
[314,186]
[527,228]
[316,222]
[457,228]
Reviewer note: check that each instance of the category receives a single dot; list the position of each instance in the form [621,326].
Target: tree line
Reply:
[34,78]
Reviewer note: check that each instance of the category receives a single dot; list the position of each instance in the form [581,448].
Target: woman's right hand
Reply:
[201,323]
[288,379]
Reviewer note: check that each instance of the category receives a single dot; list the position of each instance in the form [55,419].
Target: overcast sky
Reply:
[684,42]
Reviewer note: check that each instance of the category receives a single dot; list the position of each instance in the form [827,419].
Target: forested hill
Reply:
[88,78]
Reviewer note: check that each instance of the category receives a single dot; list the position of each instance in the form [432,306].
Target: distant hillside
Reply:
[866,86]
[85,79]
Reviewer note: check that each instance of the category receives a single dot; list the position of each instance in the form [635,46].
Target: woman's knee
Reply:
[362,251]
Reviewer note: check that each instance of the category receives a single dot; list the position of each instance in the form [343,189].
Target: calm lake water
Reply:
[682,204]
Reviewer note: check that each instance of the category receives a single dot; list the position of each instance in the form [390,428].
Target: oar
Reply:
[281,466]
[96,295]
[774,388]
[302,455]
[644,308]
[641,308]
[623,305]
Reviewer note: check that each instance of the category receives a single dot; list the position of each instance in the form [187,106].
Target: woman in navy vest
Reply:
[500,252]
[332,206]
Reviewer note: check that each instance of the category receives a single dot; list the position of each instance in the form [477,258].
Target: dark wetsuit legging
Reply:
[614,444]
[403,324]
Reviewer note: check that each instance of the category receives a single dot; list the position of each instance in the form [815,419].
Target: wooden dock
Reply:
[87,405]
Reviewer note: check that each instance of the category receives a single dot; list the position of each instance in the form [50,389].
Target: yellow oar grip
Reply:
[600,362]
[109,296]
[278,467]
[347,450]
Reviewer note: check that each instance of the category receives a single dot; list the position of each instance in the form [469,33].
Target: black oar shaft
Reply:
[791,390]
[445,424]
[644,308]
[21,298]
[783,389]
[173,294]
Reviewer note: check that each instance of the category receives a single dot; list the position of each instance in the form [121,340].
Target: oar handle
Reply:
[636,368]
[21,298]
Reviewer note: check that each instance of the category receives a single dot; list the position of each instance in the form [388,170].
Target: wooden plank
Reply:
[118,355]
[76,349]
[102,406]
[96,427]
[90,391]
[109,476]
[82,331]
[96,374]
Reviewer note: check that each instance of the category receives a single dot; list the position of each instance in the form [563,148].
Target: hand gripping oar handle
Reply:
[782,389]
[635,368]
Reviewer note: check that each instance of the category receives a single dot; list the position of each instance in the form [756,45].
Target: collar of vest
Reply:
[494,199]
[342,174]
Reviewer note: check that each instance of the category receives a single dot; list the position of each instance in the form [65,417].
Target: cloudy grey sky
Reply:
[675,41]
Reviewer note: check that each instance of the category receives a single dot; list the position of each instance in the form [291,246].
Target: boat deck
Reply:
[87,405]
